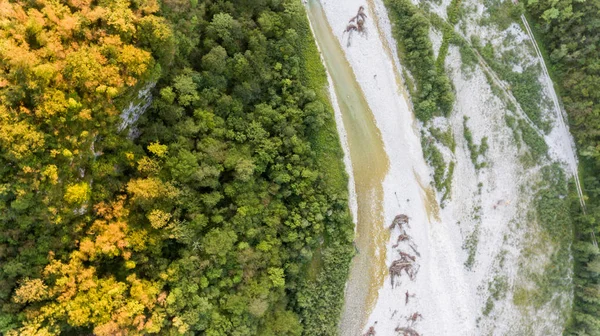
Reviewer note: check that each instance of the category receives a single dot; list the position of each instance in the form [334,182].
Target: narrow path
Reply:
[560,115]
[505,89]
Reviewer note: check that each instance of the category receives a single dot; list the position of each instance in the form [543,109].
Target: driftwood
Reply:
[397,268]
[399,221]
[408,296]
[407,331]
[414,317]
[402,237]
[407,264]
[407,256]
[370,332]
[356,24]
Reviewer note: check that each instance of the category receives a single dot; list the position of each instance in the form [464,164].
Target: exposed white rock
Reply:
[136,108]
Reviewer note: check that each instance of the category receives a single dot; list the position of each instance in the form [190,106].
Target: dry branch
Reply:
[407,331]
[407,264]
[399,221]
[402,237]
[414,249]
[414,317]
[370,332]
[356,24]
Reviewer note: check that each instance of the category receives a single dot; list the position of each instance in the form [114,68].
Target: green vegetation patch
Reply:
[446,137]
[434,158]
[477,152]
[433,94]
[535,142]
[552,213]
[470,245]
[442,173]
[497,288]
[523,132]
[524,85]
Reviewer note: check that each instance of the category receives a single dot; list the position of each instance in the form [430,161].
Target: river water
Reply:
[370,165]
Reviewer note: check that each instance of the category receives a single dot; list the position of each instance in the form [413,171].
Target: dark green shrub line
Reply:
[435,159]
[447,184]
[446,138]
[454,11]
[470,245]
[442,174]
[433,95]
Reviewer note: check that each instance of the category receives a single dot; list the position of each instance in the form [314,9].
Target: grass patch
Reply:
[467,57]
[446,137]
[525,86]
[551,211]
[524,133]
[551,203]
[538,148]
[477,151]
[513,124]
[501,13]
[470,245]
[497,289]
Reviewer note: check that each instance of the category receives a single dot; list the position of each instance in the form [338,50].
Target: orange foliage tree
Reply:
[66,66]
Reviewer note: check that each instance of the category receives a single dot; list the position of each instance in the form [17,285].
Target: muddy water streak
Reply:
[370,165]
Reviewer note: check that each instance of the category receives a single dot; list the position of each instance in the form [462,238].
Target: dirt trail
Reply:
[560,116]
[560,112]
[505,88]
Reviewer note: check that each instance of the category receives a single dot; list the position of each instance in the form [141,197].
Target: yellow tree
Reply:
[74,293]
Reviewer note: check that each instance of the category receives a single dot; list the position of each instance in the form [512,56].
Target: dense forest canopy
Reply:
[219,219]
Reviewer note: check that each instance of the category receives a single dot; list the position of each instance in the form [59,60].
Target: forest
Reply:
[224,209]
[222,213]
[570,32]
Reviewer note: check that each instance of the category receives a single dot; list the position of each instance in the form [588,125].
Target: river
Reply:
[370,165]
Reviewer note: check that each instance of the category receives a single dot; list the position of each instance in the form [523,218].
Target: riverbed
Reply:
[370,165]
[405,184]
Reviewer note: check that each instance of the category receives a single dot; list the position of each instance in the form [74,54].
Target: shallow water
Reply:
[370,165]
